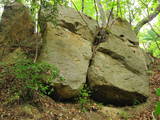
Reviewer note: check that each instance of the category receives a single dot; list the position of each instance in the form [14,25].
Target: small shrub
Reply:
[157,109]
[83,98]
[62,78]
[29,76]
[124,115]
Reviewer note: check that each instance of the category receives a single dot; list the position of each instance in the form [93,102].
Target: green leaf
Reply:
[158,92]
[157,110]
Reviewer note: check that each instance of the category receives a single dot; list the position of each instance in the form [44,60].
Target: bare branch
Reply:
[158,35]
[110,14]
[81,16]
[147,19]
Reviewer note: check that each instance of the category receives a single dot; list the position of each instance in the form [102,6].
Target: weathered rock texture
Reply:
[118,71]
[69,52]
[16,30]
[121,28]
[77,23]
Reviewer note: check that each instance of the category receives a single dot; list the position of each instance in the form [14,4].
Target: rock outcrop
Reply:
[118,70]
[117,73]
[115,68]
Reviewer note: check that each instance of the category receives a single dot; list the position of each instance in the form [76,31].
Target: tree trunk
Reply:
[102,13]
[82,6]
[95,6]
[147,19]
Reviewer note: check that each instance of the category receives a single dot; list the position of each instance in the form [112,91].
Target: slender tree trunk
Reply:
[109,13]
[120,9]
[82,5]
[110,17]
[117,8]
[95,6]
[39,2]
[130,16]
[81,16]
[102,13]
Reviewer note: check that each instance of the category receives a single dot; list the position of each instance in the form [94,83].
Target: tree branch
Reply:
[110,14]
[147,19]
[158,36]
[81,16]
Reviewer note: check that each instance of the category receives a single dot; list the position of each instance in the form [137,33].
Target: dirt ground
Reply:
[45,108]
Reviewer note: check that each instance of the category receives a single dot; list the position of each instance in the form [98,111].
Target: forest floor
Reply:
[147,112]
[45,108]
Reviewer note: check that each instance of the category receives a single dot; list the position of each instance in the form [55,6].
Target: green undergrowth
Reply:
[157,109]
[84,98]
[25,77]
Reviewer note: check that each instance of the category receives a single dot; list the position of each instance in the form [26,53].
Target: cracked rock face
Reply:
[118,71]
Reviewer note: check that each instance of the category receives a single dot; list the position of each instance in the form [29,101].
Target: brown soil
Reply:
[147,112]
[44,108]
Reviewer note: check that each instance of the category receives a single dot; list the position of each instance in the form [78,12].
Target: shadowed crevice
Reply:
[112,95]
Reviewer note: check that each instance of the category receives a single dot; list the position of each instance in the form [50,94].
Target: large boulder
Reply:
[69,52]
[17,30]
[118,71]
